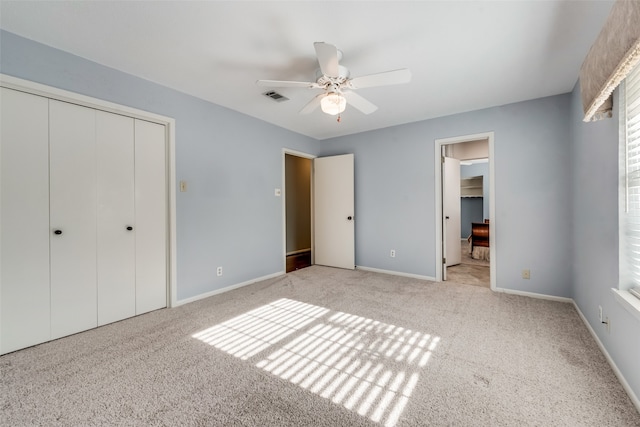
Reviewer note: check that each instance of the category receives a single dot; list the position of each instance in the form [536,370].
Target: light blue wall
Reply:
[479,169]
[595,237]
[470,211]
[395,193]
[232,163]
[555,199]
[474,209]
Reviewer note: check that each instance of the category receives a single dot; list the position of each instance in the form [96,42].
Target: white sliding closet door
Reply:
[151,216]
[73,218]
[24,225]
[116,218]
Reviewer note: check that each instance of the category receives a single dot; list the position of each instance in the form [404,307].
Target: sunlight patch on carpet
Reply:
[250,333]
[367,366]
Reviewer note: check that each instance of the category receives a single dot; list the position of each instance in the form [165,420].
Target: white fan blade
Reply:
[381,79]
[327,58]
[312,105]
[281,83]
[359,103]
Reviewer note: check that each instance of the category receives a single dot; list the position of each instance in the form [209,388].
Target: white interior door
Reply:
[24,220]
[116,243]
[73,218]
[334,229]
[151,216]
[451,211]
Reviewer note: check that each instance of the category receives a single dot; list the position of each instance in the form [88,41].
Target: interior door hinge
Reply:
[442,159]
[444,260]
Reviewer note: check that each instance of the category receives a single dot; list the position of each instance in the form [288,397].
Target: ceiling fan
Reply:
[338,84]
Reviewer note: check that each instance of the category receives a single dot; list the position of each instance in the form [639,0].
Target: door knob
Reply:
[349,218]
[129,228]
[57,231]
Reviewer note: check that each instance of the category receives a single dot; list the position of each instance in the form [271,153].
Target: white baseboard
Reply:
[623,381]
[395,273]
[227,289]
[534,295]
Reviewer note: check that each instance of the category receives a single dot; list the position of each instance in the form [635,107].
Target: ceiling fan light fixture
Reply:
[333,103]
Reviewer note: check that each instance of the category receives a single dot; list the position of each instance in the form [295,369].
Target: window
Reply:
[630,187]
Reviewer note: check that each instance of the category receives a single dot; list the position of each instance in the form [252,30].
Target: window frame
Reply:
[626,273]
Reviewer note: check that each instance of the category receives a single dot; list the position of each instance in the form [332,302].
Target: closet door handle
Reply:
[129,228]
[57,232]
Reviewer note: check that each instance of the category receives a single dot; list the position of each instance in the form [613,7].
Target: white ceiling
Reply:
[463,55]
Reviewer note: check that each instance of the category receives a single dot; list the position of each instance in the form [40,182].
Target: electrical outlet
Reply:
[219,271]
[526,274]
[600,313]
[392,254]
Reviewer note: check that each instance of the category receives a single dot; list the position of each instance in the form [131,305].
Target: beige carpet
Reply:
[470,271]
[325,347]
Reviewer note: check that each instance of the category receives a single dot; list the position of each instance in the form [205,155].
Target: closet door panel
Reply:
[24,220]
[116,243]
[73,215]
[151,216]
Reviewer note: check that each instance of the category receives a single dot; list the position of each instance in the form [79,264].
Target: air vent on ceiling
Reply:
[276,96]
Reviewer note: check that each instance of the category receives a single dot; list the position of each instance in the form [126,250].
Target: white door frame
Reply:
[170,129]
[291,152]
[439,143]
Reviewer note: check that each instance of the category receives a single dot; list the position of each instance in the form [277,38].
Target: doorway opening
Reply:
[298,210]
[465,231]
[318,210]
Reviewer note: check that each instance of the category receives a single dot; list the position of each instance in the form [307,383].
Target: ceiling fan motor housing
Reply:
[343,76]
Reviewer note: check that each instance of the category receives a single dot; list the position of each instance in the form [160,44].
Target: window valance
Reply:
[613,55]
